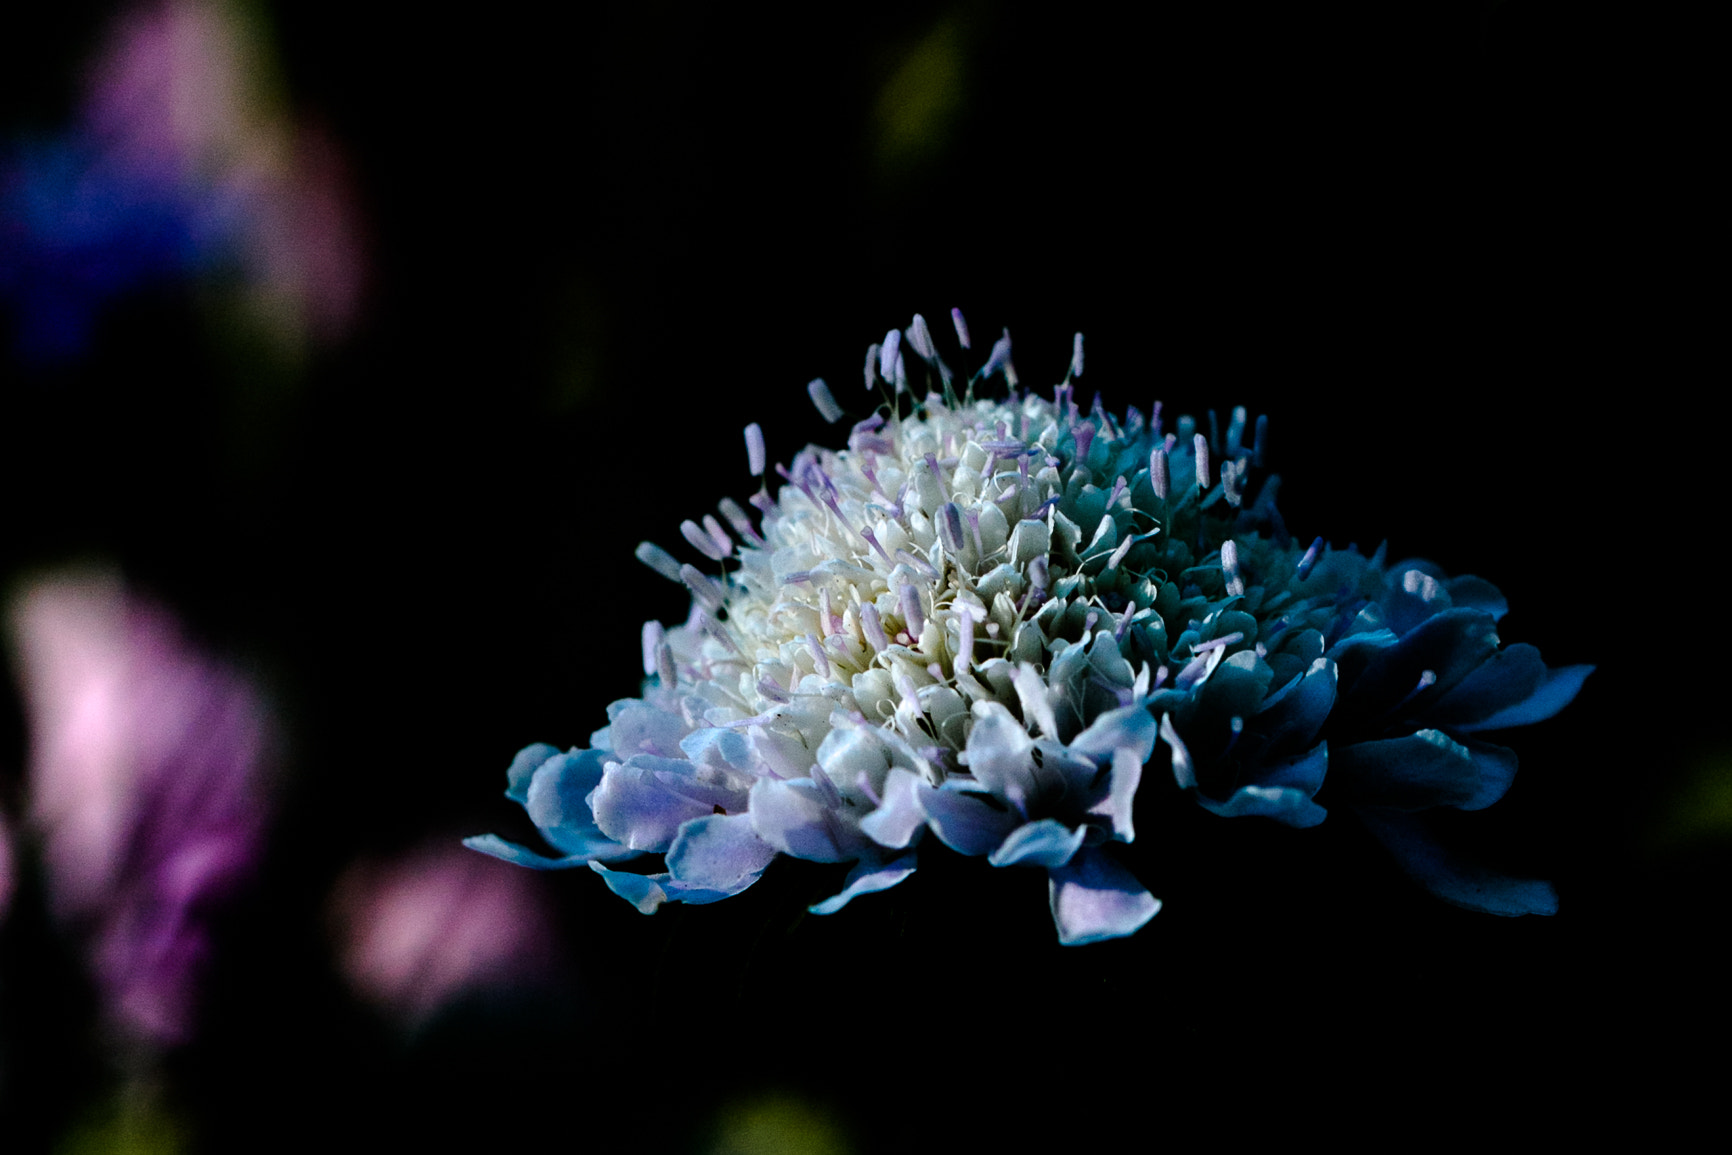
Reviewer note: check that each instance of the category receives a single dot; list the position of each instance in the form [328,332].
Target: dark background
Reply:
[1445,246]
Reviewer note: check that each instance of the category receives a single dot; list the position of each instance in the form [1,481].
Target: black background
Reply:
[1447,247]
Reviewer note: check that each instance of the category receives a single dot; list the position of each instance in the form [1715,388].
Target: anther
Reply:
[737,518]
[1236,431]
[653,637]
[701,541]
[1085,435]
[873,627]
[871,371]
[772,691]
[819,661]
[705,590]
[1309,560]
[755,449]
[872,539]
[919,564]
[718,535]
[1000,359]
[911,612]
[1119,553]
[1158,478]
[824,400]
[890,357]
[1076,357]
[961,327]
[950,526]
[920,337]
[1201,445]
[1230,569]
[659,560]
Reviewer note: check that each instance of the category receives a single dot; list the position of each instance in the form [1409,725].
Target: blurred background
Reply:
[345,357]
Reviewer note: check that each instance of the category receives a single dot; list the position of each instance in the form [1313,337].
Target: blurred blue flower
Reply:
[977,621]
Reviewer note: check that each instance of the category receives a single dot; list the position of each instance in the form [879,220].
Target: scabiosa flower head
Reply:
[975,623]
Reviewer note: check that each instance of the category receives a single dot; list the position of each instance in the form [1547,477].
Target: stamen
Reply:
[1219,643]
[653,637]
[1119,488]
[1118,554]
[718,535]
[715,629]
[1201,445]
[772,691]
[1076,357]
[1259,441]
[950,526]
[764,503]
[872,539]
[1155,420]
[705,590]
[1124,626]
[755,449]
[701,541]
[1085,435]
[819,660]
[1000,359]
[890,356]
[1236,431]
[919,564]
[665,664]
[1230,568]
[1309,560]
[798,577]
[961,327]
[1158,478]
[871,366]
[873,626]
[920,337]
[828,617]
[659,560]
[738,519]
[979,546]
[824,400]
[911,612]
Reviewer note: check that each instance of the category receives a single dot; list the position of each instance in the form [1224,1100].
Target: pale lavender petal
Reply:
[643,891]
[869,874]
[719,852]
[900,817]
[634,806]
[968,823]
[792,818]
[1094,898]
[1048,843]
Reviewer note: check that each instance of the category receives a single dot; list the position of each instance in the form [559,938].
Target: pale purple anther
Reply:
[873,627]
[911,612]
[872,540]
[755,449]
[1118,554]
[659,560]
[961,327]
[701,541]
[718,535]
[824,400]
[871,370]
[950,526]
[999,358]
[1230,567]
[1076,357]
[706,591]
[653,636]
[1159,479]
[1085,437]
[820,661]
[889,353]
[1310,559]
[737,518]
[920,338]
[919,564]
[1201,445]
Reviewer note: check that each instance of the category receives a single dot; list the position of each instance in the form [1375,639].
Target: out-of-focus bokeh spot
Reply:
[919,105]
[778,1124]
[417,932]
[1695,811]
[147,787]
[182,163]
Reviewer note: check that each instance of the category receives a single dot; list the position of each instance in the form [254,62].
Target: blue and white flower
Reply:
[974,624]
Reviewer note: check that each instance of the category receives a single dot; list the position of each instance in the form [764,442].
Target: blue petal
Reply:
[1476,593]
[558,804]
[1507,678]
[1130,728]
[793,817]
[1094,898]
[1048,843]
[1282,803]
[719,852]
[1292,716]
[1117,803]
[641,890]
[1000,753]
[900,818]
[869,874]
[523,768]
[967,823]
[1449,647]
[1560,688]
[522,856]
[1452,878]
[1409,773]
[634,805]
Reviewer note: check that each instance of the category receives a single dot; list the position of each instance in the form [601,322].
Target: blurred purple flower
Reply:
[180,164]
[419,931]
[146,787]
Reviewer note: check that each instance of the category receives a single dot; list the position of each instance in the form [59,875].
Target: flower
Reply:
[976,622]
[146,788]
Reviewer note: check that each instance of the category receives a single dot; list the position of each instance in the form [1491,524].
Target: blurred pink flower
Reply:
[146,788]
[417,932]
